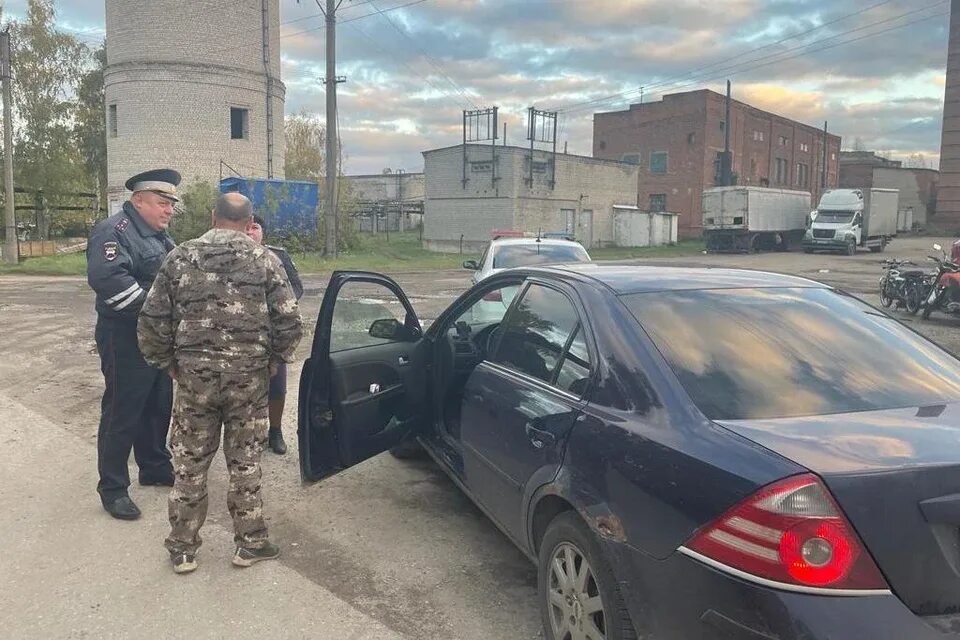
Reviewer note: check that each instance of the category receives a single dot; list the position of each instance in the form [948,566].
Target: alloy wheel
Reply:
[576,607]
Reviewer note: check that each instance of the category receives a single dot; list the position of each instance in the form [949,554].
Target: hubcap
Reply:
[576,608]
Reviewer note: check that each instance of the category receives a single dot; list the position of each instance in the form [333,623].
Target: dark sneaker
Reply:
[245,557]
[277,445]
[183,562]
[122,508]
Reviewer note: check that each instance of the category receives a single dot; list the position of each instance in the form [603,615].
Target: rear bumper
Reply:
[681,597]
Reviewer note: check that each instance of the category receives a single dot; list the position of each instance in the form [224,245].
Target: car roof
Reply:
[624,279]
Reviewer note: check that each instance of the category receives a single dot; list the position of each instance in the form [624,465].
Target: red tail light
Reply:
[791,532]
[493,296]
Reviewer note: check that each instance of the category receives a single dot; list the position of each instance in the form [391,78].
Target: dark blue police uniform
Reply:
[124,255]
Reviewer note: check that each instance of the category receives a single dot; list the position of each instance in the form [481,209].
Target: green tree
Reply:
[305,138]
[192,217]
[90,130]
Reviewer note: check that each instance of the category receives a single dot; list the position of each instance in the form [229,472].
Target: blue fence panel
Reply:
[287,206]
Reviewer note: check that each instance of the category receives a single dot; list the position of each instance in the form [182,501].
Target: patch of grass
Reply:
[402,252]
[682,248]
[67,264]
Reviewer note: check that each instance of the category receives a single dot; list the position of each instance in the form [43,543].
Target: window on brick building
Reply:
[691,138]
[753,167]
[239,123]
[783,141]
[758,136]
[658,162]
[805,147]
[658,202]
[782,172]
[803,175]
[630,158]
[112,125]
[723,125]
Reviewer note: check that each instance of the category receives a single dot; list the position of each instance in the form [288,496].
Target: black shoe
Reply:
[245,557]
[183,562]
[162,481]
[277,445]
[122,508]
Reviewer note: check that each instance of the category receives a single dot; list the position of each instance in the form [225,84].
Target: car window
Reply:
[521,255]
[772,353]
[575,369]
[536,332]
[358,305]
[490,308]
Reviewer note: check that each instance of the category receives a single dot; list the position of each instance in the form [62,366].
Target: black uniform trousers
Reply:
[135,411]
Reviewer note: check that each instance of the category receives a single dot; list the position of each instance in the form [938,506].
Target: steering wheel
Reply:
[486,337]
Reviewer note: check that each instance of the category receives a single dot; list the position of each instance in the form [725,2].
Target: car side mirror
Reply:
[938,247]
[471,265]
[389,329]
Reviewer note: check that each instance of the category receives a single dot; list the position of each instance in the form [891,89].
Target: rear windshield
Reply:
[522,255]
[775,353]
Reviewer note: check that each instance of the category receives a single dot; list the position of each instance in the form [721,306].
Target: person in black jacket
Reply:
[278,383]
[124,253]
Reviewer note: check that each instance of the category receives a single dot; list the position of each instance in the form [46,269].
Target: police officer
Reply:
[124,253]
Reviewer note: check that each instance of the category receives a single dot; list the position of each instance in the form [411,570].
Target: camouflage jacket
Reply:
[220,302]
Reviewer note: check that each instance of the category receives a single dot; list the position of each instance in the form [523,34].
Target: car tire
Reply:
[569,540]
[852,248]
[408,450]
[805,250]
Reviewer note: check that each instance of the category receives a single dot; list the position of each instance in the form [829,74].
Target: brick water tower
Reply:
[191,85]
[948,193]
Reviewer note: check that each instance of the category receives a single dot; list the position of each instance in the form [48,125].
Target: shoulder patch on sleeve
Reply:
[122,224]
[109,251]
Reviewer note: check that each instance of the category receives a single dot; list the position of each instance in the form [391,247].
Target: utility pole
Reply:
[823,168]
[330,82]
[726,163]
[11,249]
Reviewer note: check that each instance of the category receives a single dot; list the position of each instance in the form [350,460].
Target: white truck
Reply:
[753,218]
[849,218]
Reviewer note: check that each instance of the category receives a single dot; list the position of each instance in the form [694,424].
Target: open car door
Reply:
[363,388]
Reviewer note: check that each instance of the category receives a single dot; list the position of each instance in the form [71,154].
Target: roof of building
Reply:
[624,279]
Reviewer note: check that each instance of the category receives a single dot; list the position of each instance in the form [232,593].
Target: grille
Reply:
[823,233]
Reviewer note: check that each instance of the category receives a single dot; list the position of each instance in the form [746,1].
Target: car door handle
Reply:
[539,438]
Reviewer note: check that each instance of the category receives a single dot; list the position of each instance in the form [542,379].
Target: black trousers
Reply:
[134,413]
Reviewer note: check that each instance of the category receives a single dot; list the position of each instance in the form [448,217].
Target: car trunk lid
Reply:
[896,475]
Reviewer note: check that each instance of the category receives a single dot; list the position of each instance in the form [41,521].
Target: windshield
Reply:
[835,216]
[522,255]
[775,353]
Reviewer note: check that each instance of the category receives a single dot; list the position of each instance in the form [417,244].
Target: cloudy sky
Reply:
[874,70]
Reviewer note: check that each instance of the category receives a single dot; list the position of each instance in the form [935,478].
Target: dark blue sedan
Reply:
[686,454]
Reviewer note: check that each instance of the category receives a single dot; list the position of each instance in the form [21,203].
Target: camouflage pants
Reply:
[205,401]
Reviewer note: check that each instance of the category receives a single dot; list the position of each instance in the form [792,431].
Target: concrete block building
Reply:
[676,143]
[918,187]
[189,85]
[473,189]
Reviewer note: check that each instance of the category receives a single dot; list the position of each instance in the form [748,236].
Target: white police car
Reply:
[509,249]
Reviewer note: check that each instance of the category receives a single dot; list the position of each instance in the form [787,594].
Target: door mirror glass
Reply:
[388,329]
[471,265]
[367,314]
[937,247]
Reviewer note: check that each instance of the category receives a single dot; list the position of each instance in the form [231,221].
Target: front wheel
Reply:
[885,298]
[579,595]
[913,297]
[851,247]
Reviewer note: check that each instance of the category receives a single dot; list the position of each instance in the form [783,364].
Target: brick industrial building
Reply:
[676,143]
[472,190]
[918,187]
[948,196]
[190,84]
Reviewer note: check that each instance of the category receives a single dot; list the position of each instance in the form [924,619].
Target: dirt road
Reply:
[388,549]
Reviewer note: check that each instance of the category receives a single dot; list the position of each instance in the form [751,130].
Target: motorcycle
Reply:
[939,295]
[897,284]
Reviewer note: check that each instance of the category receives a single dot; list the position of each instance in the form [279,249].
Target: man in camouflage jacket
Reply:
[219,317]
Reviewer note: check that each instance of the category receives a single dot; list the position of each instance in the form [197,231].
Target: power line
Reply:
[426,55]
[797,55]
[590,103]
